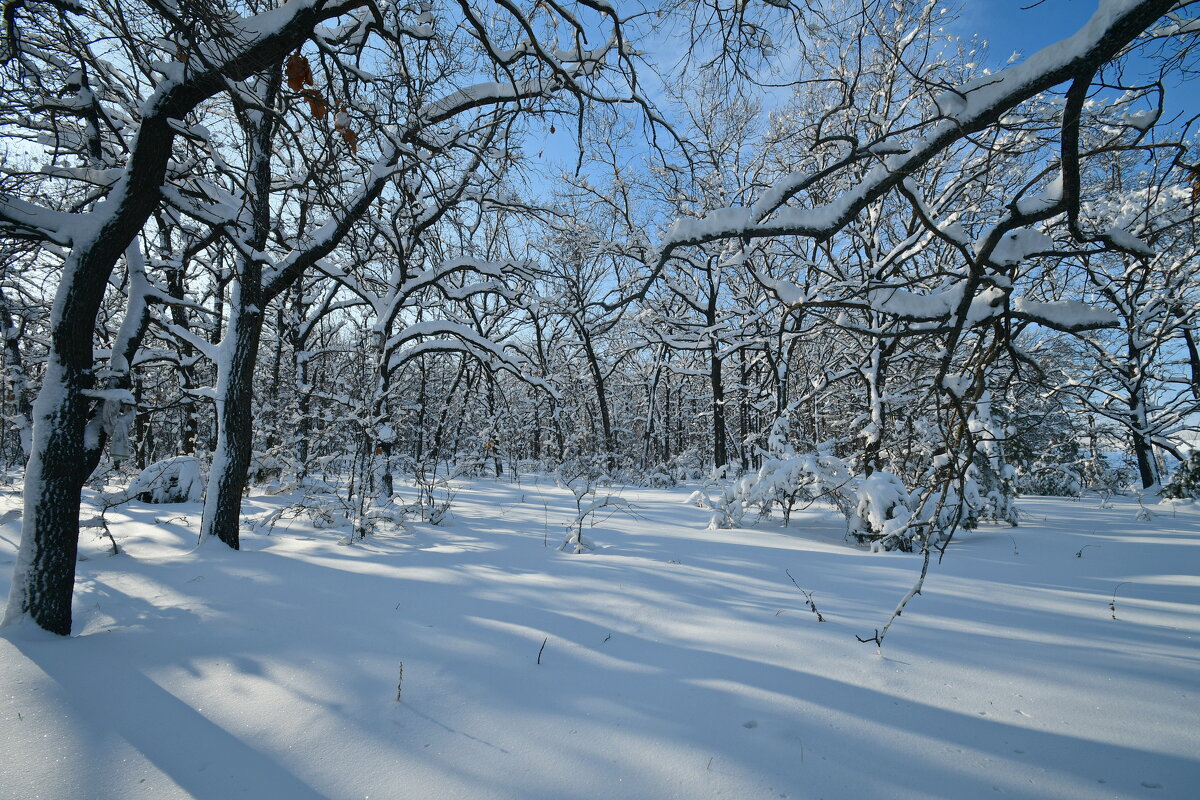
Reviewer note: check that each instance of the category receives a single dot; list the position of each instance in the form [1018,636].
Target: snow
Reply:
[719,222]
[1044,201]
[1016,246]
[165,481]
[481,94]
[883,501]
[1127,241]
[1064,314]
[789,293]
[910,305]
[675,662]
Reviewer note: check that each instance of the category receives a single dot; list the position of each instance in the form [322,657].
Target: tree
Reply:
[166,63]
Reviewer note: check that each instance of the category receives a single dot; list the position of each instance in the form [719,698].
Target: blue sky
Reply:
[1010,25]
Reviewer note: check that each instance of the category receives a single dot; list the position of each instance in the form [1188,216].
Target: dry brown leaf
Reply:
[349,136]
[317,104]
[298,72]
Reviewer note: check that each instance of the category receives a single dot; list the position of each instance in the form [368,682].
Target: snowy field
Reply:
[675,662]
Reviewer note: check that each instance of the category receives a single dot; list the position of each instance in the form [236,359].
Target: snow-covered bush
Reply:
[882,513]
[265,467]
[435,490]
[658,477]
[784,482]
[1185,483]
[1060,475]
[1057,480]
[173,480]
[801,478]
[988,493]
[324,510]
[687,466]
[1101,475]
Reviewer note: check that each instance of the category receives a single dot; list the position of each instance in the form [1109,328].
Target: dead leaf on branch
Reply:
[317,104]
[341,123]
[298,71]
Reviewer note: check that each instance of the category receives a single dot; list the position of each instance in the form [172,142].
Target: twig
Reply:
[540,649]
[399,681]
[807,598]
[1112,605]
[101,523]
[877,639]
[913,592]
[1079,552]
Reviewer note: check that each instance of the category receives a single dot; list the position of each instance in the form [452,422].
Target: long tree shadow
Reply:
[201,757]
[701,696]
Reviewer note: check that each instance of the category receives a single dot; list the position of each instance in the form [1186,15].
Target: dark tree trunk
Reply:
[298,334]
[278,418]
[44,576]
[720,456]
[1145,461]
[743,410]
[1143,451]
[493,446]
[651,394]
[1189,340]
[418,441]
[239,347]
[189,422]
[16,383]
[143,433]
[382,482]
[601,398]
[235,426]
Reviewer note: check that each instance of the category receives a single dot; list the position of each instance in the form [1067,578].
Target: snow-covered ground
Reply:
[675,662]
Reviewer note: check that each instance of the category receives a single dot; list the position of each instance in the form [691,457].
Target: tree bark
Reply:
[720,456]
[601,396]
[16,383]
[239,346]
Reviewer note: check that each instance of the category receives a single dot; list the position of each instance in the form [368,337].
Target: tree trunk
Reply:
[380,433]
[16,384]
[743,410]
[235,430]
[239,346]
[601,392]
[189,422]
[298,334]
[1147,466]
[651,393]
[720,456]
[44,574]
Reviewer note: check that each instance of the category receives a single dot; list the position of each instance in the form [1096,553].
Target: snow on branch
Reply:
[1070,316]
[25,220]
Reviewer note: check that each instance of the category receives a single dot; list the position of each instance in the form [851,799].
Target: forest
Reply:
[360,260]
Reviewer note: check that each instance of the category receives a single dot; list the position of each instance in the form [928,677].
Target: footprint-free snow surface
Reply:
[1059,659]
